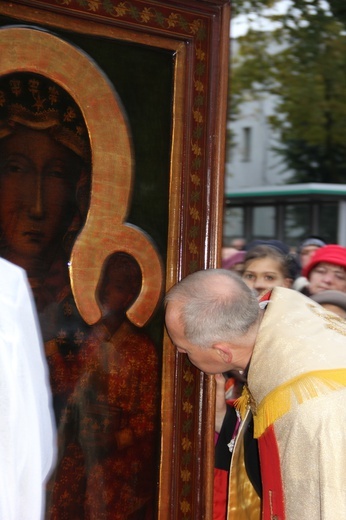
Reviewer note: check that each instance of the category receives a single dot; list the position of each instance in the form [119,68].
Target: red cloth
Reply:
[272,498]
[220,494]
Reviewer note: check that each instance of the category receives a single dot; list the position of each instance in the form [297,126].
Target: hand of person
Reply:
[220,401]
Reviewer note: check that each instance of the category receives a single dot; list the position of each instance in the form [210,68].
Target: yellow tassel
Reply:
[243,402]
[300,389]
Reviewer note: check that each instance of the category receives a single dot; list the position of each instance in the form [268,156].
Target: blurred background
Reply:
[285,173]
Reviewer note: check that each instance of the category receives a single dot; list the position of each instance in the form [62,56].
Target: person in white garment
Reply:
[27,429]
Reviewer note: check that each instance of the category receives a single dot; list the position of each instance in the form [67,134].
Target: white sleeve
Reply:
[27,429]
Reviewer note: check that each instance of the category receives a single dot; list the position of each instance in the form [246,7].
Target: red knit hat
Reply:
[332,254]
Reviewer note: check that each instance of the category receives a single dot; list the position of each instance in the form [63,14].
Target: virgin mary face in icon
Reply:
[37,186]
[41,163]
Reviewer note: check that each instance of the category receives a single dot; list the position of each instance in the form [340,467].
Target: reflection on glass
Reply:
[263,222]
[103,378]
[107,450]
[328,221]
[233,222]
[297,223]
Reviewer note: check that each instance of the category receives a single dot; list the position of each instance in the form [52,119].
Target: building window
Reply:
[229,145]
[247,135]
[233,224]
[263,222]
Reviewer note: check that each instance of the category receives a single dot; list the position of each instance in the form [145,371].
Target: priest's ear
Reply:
[224,351]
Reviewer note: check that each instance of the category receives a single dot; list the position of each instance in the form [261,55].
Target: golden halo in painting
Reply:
[27,49]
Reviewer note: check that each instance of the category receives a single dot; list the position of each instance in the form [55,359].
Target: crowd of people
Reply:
[271,326]
[313,268]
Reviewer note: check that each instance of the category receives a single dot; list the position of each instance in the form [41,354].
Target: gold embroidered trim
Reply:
[332,321]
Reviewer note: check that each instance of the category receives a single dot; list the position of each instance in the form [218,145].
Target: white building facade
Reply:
[255,205]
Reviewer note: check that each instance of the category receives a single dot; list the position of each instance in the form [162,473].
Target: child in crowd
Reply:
[266,267]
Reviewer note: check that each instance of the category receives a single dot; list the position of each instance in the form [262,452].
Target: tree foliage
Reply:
[303,63]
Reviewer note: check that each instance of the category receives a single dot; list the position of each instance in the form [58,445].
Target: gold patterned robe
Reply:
[297,391]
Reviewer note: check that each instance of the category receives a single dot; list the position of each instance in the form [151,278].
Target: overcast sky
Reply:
[241,24]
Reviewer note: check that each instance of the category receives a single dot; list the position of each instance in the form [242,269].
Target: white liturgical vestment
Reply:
[27,430]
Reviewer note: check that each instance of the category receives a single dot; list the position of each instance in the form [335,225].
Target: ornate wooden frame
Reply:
[197,35]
